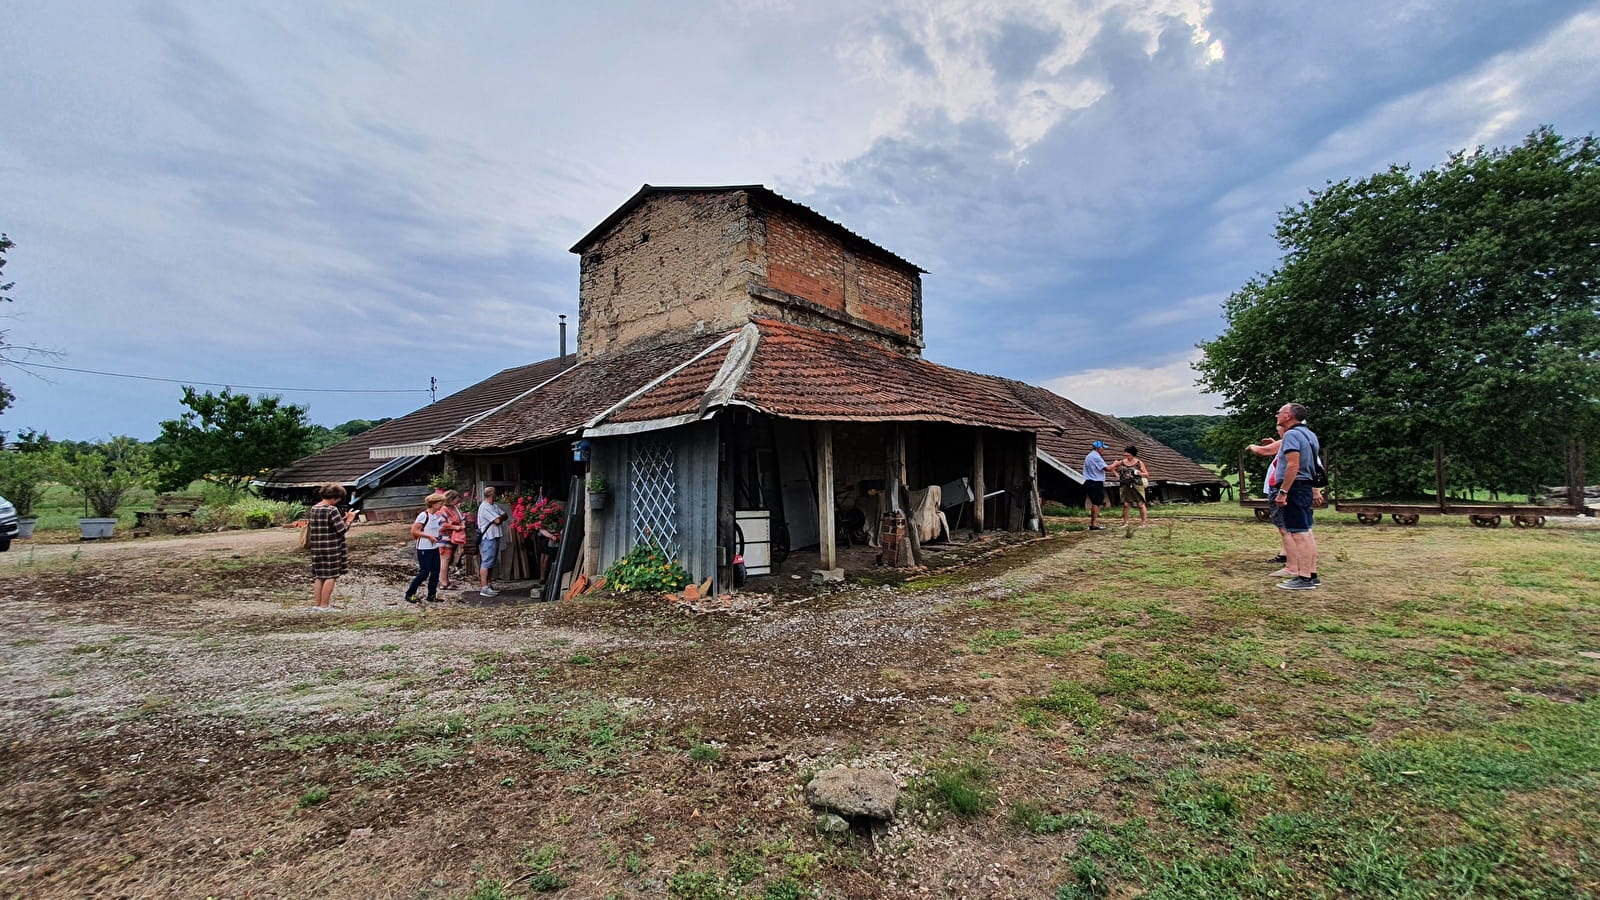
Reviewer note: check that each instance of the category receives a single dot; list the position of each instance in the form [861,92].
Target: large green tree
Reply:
[229,438]
[1458,306]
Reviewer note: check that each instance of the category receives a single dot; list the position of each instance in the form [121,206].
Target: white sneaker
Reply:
[1282,572]
[488,592]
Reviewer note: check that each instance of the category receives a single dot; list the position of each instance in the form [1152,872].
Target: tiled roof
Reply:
[1081,427]
[568,403]
[803,373]
[349,460]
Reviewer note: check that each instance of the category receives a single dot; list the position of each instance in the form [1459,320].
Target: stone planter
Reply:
[25,526]
[97,529]
[599,499]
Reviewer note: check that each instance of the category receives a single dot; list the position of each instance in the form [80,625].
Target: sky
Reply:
[343,201]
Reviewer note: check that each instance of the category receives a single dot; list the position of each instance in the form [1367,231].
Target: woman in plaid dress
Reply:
[325,528]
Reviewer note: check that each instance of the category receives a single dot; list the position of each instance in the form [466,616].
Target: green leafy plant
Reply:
[647,568]
[23,477]
[106,473]
[597,484]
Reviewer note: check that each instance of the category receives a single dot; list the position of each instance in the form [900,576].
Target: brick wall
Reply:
[822,267]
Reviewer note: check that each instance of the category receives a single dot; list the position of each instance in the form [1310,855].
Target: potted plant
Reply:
[599,490]
[104,476]
[22,480]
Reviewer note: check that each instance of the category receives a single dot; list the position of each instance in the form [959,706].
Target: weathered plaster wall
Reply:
[676,266]
[685,263]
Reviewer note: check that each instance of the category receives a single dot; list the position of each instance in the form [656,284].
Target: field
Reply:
[1110,715]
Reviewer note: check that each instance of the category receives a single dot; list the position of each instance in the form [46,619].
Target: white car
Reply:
[8,524]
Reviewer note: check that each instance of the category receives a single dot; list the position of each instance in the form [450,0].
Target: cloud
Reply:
[1014,64]
[1167,388]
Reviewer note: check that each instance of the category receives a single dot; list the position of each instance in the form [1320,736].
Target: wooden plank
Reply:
[827,538]
[977,482]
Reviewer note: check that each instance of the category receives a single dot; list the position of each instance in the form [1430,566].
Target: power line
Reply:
[221,384]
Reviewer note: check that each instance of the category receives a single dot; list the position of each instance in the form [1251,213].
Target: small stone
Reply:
[832,824]
[357,834]
[826,576]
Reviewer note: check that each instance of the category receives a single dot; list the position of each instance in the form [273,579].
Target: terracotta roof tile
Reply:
[349,460]
[1082,427]
[566,404]
[804,373]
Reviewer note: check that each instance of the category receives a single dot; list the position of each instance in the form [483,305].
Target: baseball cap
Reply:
[1098,445]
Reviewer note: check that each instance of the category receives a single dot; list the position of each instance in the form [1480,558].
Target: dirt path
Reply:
[252,542]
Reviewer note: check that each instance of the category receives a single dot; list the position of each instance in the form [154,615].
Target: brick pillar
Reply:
[892,537]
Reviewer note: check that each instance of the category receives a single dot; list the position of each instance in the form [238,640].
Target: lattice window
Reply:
[655,495]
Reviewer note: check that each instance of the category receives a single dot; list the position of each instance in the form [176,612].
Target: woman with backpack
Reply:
[429,529]
[1132,476]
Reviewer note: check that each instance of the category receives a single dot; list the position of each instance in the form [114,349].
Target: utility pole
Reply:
[433,390]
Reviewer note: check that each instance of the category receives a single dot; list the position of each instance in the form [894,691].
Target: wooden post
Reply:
[1034,500]
[977,483]
[1576,476]
[891,470]
[828,543]
[1438,466]
[911,531]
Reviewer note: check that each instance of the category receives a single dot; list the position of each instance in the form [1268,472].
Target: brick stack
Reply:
[892,536]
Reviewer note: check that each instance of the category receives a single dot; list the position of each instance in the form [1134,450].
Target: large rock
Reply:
[867,793]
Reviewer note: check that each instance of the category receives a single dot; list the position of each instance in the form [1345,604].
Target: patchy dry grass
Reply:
[1098,716]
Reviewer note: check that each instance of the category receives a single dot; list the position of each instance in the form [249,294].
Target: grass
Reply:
[60,508]
[1145,716]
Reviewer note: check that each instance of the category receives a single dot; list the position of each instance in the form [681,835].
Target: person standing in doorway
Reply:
[1296,463]
[427,529]
[325,528]
[1094,483]
[490,519]
[1132,476]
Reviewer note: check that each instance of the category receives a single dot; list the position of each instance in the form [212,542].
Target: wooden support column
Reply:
[891,470]
[978,487]
[1035,503]
[912,535]
[825,527]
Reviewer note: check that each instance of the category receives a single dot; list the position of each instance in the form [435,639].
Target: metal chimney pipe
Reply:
[563,337]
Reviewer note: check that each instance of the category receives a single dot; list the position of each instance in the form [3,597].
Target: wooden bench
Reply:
[170,509]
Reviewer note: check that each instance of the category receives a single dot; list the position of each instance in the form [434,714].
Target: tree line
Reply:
[1457,306]
[224,438]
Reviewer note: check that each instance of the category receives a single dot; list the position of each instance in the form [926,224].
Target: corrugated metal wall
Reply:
[694,452]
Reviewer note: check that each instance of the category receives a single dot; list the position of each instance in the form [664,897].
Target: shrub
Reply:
[251,512]
[22,478]
[106,472]
[646,568]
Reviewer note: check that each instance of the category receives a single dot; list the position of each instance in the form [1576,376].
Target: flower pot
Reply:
[95,529]
[599,499]
[25,526]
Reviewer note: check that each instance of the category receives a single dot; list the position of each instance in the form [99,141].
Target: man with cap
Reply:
[1094,483]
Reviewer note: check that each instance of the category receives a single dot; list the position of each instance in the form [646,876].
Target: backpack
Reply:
[1319,469]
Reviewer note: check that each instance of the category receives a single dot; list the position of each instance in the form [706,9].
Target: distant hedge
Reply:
[1181,433]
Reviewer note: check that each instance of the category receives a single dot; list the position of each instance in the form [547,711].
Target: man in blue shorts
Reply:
[1297,459]
[1094,483]
[491,518]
